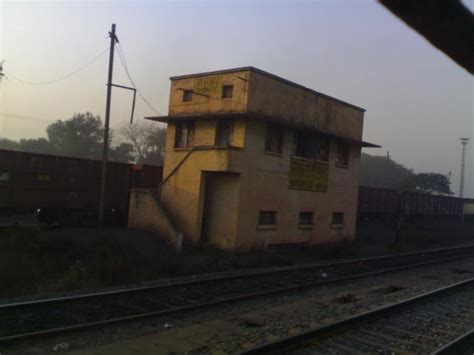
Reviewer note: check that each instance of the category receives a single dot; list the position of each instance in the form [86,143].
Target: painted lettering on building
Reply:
[211,85]
[308,175]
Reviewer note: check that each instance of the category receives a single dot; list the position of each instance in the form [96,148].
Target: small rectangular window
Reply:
[267,218]
[306,218]
[227,91]
[224,132]
[337,219]
[187,95]
[43,178]
[4,176]
[274,139]
[342,154]
[184,135]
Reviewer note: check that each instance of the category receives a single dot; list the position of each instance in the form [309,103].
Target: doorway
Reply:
[220,210]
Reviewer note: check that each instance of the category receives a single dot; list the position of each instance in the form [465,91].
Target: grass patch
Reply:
[43,262]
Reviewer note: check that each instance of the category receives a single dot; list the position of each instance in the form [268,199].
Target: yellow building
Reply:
[254,160]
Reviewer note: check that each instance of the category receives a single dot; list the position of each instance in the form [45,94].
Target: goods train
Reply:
[65,190]
[376,202]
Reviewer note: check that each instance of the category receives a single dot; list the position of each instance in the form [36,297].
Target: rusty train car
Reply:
[379,202]
[66,190]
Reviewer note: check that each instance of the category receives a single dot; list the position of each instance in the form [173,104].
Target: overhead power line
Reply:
[123,62]
[27,118]
[60,78]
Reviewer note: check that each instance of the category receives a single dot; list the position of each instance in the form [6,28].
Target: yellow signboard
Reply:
[308,175]
[211,85]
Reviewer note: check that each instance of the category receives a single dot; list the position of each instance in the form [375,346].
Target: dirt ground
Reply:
[42,262]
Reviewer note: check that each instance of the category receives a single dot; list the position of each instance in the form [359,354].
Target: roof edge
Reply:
[266,118]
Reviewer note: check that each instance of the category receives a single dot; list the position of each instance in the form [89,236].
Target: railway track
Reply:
[24,320]
[421,324]
[459,346]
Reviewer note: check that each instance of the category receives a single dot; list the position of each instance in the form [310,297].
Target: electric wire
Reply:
[60,78]
[26,118]
[125,67]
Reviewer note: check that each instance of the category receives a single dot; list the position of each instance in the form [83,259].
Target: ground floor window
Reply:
[306,218]
[4,176]
[337,219]
[267,218]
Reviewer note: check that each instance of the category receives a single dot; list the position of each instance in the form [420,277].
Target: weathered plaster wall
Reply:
[214,103]
[145,213]
[264,186]
[183,193]
[263,181]
[297,105]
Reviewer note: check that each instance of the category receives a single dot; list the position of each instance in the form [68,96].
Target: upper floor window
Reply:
[274,139]
[342,154]
[311,145]
[184,135]
[224,132]
[187,95]
[227,91]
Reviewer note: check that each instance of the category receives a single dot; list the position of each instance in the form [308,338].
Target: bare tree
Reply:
[147,140]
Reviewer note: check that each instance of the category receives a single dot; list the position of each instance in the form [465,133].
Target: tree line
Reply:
[82,136]
[383,172]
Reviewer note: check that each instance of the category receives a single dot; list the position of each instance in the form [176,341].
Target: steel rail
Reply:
[234,276]
[221,301]
[285,343]
[457,345]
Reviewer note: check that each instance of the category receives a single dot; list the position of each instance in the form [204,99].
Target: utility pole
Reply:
[463,161]
[113,39]
[387,167]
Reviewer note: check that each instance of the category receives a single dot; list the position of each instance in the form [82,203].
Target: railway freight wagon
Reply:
[378,202]
[66,190]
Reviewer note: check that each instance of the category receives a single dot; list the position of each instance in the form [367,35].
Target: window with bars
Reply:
[184,135]
[274,139]
[342,154]
[311,145]
[224,132]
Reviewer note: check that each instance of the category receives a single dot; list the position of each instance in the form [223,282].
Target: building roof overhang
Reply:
[261,117]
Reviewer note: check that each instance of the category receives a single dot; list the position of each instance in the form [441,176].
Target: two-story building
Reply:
[254,160]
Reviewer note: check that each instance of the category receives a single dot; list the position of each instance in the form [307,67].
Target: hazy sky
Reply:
[419,102]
